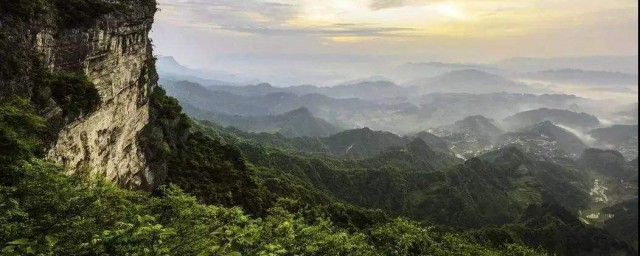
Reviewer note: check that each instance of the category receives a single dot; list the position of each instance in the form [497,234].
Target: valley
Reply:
[533,148]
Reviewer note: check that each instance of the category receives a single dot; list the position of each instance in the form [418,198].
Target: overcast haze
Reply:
[310,41]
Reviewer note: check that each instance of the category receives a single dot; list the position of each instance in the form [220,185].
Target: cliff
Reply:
[107,43]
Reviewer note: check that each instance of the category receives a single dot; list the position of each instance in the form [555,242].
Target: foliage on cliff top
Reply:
[73,93]
[68,13]
[49,213]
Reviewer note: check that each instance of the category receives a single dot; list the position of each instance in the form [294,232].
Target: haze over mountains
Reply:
[441,114]
[453,92]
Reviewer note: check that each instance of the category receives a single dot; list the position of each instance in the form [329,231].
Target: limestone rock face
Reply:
[116,55]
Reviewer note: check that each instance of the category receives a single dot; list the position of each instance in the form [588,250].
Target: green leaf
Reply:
[8,249]
[21,241]
[52,240]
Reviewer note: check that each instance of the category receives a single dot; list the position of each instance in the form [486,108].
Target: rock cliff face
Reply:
[115,53]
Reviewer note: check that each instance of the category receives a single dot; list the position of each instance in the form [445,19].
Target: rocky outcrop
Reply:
[115,53]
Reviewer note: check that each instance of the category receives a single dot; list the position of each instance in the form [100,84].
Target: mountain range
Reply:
[583,77]
[468,81]
[582,121]
[296,123]
[545,140]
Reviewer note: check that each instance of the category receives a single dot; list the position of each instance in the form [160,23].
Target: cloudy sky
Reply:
[288,36]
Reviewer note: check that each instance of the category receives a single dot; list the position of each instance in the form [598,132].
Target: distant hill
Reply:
[296,123]
[623,138]
[348,113]
[366,79]
[615,135]
[362,143]
[248,90]
[470,81]
[435,142]
[446,108]
[477,125]
[415,156]
[607,162]
[169,68]
[624,64]
[627,115]
[624,223]
[557,116]
[413,70]
[583,77]
[470,136]
[545,140]
[370,90]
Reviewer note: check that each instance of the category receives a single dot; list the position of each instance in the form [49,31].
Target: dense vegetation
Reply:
[290,212]
[67,13]
[45,212]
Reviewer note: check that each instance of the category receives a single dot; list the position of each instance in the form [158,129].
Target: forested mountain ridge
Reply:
[488,182]
[295,123]
[546,140]
[582,121]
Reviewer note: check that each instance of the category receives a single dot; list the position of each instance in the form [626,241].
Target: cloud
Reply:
[384,4]
[331,30]
[199,13]
[260,18]
[416,30]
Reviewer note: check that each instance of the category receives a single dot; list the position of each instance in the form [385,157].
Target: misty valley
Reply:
[110,145]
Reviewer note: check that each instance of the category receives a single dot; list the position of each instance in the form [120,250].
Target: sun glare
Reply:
[450,10]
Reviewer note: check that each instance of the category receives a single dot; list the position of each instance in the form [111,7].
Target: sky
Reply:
[284,40]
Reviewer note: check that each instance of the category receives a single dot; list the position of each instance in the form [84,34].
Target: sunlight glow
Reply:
[450,10]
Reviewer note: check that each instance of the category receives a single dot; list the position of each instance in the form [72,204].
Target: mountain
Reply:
[440,109]
[544,140]
[615,192]
[413,70]
[170,69]
[583,77]
[627,115]
[402,115]
[582,121]
[624,223]
[369,90]
[435,142]
[623,64]
[623,138]
[477,125]
[416,156]
[361,143]
[296,123]
[469,81]
[470,136]
[248,90]
[366,79]
[607,162]
[348,113]
[615,135]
